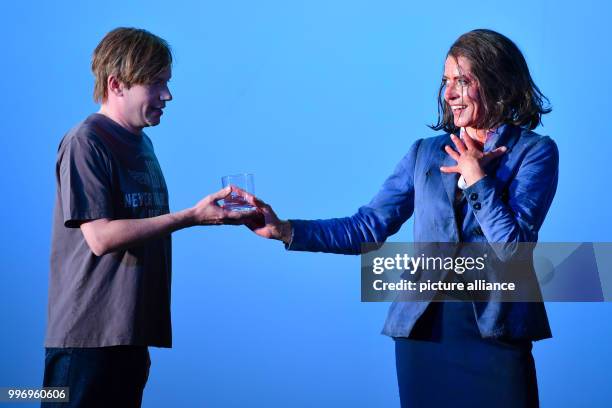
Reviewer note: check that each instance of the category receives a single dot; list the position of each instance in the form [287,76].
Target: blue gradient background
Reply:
[320,100]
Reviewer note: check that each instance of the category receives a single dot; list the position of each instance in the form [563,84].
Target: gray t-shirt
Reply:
[122,298]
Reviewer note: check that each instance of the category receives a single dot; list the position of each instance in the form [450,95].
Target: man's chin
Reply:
[152,122]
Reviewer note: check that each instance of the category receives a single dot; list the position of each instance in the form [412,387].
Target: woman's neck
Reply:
[478,134]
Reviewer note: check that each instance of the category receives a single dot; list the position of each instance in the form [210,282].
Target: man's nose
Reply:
[166,95]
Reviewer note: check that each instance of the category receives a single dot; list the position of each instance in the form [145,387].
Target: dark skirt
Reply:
[446,363]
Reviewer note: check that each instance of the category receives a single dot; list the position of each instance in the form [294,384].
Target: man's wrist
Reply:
[185,218]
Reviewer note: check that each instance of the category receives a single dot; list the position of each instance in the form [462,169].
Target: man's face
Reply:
[143,104]
[461,92]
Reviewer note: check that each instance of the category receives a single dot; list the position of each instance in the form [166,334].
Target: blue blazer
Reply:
[507,206]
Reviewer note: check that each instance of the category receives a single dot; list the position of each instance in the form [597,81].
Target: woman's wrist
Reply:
[474,177]
[286,231]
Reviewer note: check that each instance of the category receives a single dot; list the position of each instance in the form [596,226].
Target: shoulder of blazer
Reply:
[528,139]
[435,142]
[531,144]
[432,146]
[521,145]
[430,152]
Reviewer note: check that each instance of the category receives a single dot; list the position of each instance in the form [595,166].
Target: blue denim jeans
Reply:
[98,377]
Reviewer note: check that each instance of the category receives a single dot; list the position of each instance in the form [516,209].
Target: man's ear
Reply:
[114,86]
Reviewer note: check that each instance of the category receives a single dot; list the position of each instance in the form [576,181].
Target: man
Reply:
[109,291]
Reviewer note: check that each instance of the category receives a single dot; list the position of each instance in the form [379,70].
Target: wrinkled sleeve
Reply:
[373,223]
[530,194]
[84,182]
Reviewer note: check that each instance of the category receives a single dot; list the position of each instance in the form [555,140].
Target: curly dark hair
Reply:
[507,92]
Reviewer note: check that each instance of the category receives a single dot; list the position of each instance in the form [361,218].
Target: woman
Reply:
[494,184]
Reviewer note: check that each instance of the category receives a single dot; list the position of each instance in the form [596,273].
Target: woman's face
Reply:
[461,92]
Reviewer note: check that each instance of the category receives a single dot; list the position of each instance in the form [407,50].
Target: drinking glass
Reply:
[235,202]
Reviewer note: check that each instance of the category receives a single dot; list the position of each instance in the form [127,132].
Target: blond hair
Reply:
[134,56]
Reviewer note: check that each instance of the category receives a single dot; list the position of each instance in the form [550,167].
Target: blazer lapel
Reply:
[498,168]
[449,179]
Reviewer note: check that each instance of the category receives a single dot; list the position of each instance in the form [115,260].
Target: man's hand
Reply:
[208,211]
[470,158]
[106,235]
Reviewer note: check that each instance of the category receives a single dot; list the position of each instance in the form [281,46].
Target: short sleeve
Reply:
[84,177]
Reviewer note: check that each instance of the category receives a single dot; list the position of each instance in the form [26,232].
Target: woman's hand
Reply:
[470,159]
[268,225]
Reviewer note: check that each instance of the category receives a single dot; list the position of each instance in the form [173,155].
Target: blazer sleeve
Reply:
[372,223]
[530,194]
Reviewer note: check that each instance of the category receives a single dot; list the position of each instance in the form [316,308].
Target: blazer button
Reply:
[478,231]
[474,196]
[477,206]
